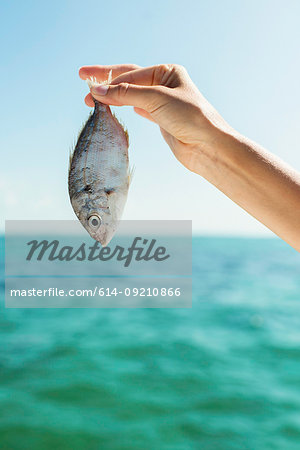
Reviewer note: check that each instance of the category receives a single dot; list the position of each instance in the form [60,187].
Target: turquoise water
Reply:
[222,375]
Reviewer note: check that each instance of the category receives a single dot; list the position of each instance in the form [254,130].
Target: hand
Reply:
[166,95]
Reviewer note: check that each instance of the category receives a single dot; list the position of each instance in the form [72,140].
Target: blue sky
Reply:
[243,56]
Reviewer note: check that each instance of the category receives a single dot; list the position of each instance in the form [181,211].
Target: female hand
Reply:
[166,95]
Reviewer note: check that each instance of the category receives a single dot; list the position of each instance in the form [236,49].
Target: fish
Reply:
[99,173]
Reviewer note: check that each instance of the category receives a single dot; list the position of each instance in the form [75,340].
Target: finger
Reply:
[101,72]
[145,97]
[164,74]
[89,100]
[143,113]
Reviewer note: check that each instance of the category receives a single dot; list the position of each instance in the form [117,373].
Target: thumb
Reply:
[145,97]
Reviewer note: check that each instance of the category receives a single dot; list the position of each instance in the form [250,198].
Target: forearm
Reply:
[256,180]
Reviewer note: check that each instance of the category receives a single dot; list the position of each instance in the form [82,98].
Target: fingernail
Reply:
[100,90]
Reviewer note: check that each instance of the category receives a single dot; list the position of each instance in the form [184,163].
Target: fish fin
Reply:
[109,78]
[123,126]
[131,171]
[72,149]
[83,125]
[126,135]
[92,81]
[71,153]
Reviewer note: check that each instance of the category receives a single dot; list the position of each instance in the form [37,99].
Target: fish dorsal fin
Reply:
[130,174]
[72,149]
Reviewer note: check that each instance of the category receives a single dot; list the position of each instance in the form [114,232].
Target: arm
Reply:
[202,141]
[256,180]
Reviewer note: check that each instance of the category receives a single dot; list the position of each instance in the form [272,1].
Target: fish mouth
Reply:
[102,234]
[103,239]
[105,233]
[104,242]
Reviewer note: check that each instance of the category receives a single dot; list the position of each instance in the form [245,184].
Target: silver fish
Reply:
[99,174]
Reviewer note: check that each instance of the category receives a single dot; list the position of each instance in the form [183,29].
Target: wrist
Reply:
[217,147]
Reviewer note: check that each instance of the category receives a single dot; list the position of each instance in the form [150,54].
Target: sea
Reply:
[221,375]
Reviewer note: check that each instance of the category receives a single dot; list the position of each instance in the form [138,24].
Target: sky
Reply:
[242,54]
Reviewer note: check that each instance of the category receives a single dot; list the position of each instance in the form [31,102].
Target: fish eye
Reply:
[94,221]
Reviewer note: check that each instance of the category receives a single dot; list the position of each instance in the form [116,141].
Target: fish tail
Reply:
[93,82]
